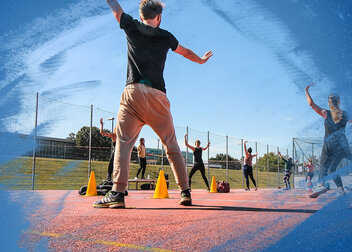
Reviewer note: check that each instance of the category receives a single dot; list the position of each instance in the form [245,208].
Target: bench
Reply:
[151,182]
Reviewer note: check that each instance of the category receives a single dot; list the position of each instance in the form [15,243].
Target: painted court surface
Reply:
[236,221]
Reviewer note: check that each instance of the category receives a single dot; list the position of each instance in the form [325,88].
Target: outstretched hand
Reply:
[310,85]
[206,56]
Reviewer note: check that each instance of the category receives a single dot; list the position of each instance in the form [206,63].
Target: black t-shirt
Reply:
[198,155]
[147,48]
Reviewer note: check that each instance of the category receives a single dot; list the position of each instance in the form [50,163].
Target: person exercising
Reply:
[310,170]
[142,153]
[198,164]
[113,139]
[288,171]
[144,100]
[335,146]
[247,167]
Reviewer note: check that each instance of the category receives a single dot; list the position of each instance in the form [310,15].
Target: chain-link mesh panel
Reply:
[17,120]
[60,159]
[217,162]
[62,153]
[236,153]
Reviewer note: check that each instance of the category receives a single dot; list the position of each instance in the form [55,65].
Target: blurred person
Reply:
[310,170]
[335,146]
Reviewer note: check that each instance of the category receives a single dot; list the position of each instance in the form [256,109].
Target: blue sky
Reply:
[265,52]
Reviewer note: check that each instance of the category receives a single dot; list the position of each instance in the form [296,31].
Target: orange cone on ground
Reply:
[92,187]
[213,188]
[161,191]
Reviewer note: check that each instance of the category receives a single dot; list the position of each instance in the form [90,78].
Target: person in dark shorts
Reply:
[198,164]
[247,167]
[144,100]
[113,139]
[310,170]
[288,171]
[142,154]
[335,146]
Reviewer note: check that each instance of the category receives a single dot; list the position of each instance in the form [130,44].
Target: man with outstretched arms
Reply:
[144,101]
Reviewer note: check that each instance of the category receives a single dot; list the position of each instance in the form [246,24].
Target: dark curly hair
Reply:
[149,9]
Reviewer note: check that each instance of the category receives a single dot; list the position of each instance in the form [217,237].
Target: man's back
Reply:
[147,49]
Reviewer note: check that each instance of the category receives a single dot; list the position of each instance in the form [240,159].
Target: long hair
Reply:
[336,112]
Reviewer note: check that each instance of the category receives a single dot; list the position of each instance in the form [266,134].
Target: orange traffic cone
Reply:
[213,188]
[92,187]
[161,191]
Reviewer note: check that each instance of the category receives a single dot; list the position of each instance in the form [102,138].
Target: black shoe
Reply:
[186,199]
[247,189]
[111,200]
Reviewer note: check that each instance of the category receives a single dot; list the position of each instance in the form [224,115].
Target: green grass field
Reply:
[63,174]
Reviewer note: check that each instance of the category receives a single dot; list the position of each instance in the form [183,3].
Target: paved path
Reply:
[236,221]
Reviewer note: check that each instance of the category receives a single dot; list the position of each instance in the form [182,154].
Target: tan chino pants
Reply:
[143,105]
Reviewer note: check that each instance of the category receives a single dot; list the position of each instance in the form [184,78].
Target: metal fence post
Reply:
[293,158]
[187,151]
[90,142]
[256,161]
[278,167]
[227,159]
[267,162]
[162,157]
[242,162]
[208,158]
[35,139]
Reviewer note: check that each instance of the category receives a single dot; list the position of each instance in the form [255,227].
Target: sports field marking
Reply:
[269,201]
[102,242]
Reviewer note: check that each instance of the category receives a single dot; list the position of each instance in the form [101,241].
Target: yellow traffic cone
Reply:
[213,188]
[92,187]
[161,191]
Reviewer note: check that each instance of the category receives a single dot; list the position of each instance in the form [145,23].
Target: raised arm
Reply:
[206,146]
[245,148]
[316,108]
[102,132]
[189,54]
[116,9]
[186,143]
[282,157]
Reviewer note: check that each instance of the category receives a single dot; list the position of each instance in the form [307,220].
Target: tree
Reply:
[273,157]
[220,159]
[98,140]
[71,136]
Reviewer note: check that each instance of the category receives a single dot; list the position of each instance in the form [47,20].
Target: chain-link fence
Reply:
[68,146]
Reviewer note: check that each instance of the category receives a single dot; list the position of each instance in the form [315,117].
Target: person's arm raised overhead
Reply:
[206,146]
[186,143]
[189,54]
[316,108]
[116,9]
[102,132]
[245,148]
